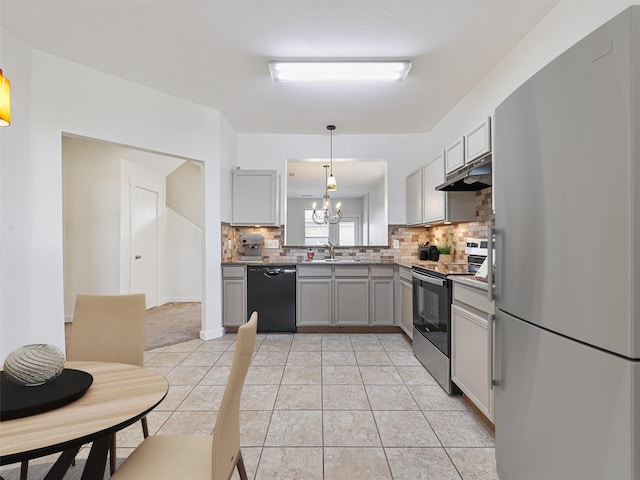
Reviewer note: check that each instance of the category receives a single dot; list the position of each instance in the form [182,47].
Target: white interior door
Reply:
[144,243]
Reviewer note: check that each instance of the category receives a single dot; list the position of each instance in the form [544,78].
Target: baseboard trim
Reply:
[211,334]
[179,300]
[351,329]
[346,329]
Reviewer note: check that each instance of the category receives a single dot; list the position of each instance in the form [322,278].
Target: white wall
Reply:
[565,25]
[91,214]
[51,96]
[378,230]
[182,262]
[403,153]
[184,192]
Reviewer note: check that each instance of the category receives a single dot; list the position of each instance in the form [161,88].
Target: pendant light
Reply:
[327,214]
[332,186]
[5,101]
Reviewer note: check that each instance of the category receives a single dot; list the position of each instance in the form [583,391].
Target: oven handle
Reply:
[435,281]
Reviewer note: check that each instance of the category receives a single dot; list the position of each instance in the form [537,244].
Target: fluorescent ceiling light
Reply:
[336,71]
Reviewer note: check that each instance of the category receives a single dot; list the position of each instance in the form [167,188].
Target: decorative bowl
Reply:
[34,364]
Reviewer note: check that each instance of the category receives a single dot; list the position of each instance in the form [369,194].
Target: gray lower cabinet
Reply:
[470,355]
[234,295]
[354,295]
[314,305]
[352,301]
[382,296]
[314,295]
[406,301]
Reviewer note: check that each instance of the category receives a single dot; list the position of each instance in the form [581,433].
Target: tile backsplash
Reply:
[409,238]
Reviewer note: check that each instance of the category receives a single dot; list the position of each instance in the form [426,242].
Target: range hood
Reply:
[470,178]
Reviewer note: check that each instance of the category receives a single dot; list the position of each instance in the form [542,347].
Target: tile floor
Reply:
[330,406]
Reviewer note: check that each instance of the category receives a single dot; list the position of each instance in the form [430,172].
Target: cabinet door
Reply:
[470,357]
[351,301]
[454,155]
[477,142]
[406,307]
[313,301]
[382,301]
[234,310]
[254,197]
[414,198]
[435,202]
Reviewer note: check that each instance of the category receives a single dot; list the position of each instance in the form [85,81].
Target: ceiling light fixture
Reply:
[339,71]
[332,186]
[5,101]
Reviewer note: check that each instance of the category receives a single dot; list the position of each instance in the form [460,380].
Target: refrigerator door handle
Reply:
[490,247]
[490,327]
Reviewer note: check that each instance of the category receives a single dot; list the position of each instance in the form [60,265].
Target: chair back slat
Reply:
[226,434]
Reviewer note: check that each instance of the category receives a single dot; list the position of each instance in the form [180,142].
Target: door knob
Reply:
[138,257]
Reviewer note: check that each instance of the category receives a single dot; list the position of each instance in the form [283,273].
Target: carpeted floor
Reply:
[172,323]
[169,324]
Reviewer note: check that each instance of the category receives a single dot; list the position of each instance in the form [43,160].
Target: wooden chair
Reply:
[107,328]
[200,457]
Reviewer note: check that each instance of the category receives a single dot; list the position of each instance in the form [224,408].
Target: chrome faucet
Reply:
[330,246]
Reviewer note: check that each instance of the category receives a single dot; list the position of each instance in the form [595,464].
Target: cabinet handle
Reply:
[491,381]
[490,265]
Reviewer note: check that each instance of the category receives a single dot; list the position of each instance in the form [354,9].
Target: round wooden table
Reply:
[119,396]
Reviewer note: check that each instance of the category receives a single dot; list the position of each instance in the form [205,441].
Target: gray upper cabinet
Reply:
[414,198]
[444,206]
[255,197]
[477,142]
[454,155]
[434,202]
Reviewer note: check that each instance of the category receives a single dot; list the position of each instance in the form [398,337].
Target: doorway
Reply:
[144,243]
[120,202]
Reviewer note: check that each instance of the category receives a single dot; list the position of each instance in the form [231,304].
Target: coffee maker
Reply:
[252,246]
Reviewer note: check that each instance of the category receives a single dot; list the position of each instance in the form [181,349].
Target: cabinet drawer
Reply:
[359,271]
[405,273]
[472,296]
[233,271]
[378,271]
[314,271]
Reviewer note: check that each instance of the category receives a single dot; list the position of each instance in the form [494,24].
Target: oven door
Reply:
[432,309]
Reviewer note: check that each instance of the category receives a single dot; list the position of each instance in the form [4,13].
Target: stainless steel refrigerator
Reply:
[567,328]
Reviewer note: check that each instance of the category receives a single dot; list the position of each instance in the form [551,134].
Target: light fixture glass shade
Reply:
[5,101]
[332,186]
[339,71]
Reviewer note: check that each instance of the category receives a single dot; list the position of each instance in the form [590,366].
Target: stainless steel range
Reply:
[432,295]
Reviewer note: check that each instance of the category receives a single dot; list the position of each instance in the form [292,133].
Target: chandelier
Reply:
[328,214]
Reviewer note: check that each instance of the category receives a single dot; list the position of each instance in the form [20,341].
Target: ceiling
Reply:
[216,53]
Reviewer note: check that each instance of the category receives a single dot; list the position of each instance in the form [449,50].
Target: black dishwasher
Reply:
[271,291]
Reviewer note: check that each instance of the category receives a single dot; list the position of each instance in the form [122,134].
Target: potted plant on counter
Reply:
[446,253]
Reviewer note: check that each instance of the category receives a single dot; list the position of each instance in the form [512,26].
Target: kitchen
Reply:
[250,149]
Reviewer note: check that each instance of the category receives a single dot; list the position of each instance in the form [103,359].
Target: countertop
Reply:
[342,264]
